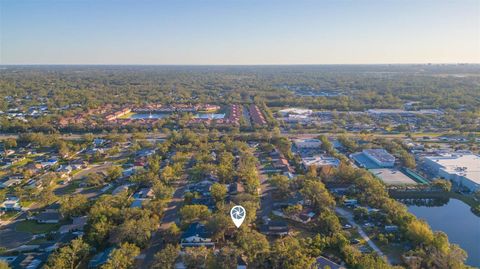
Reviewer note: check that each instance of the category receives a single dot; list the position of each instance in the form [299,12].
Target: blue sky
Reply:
[239,31]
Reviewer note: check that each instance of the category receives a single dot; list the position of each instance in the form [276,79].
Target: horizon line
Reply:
[299,64]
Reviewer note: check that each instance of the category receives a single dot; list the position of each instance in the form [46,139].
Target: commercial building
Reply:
[294,118]
[402,112]
[373,158]
[462,169]
[380,156]
[295,111]
[307,143]
[320,161]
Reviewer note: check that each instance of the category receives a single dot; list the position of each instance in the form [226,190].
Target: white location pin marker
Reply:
[238,214]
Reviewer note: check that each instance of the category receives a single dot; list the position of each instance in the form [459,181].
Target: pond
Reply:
[455,219]
[156,115]
[140,116]
[212,116]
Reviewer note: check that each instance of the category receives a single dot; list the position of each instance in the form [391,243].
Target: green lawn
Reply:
[71,187]
[24,203]
[31,226]
[8,215]
[74,172]
[20,163]
[128,115]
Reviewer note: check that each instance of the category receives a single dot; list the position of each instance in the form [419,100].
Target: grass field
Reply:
[126,116]
[24,203]
[8,215]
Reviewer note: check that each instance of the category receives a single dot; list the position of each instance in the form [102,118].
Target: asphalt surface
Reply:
[266,202]
[349,216]
[170,216]
[9,238]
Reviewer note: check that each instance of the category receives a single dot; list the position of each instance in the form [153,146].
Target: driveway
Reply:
[349,216]
[9,238]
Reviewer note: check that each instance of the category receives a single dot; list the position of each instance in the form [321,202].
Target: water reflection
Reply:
[455,219]
[429,202]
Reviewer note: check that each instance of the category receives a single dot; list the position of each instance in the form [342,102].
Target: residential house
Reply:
[277,227]
[78,164]
[206,201]
[48,217]
[11,204]
[391,228]
[202,187]
[78,223]
[306,216]
[350,202]
[137,203]
[50,214]
[241,262]
[65,169]
[28,260]
[120,189]
[33,167]
[47,163]
[9,182]
[235,188]
[325,263]
[100,259]
[144,193]
[196,235]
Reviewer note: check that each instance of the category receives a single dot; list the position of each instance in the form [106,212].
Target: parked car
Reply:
[355,241]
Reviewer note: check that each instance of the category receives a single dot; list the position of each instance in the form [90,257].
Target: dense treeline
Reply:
[360,87]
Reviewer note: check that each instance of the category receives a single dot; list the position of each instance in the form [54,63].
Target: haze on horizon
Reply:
[239,32]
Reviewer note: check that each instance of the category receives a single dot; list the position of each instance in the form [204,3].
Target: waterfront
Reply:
[458,222]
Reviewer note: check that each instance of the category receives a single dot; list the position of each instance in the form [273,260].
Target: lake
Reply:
[458,222]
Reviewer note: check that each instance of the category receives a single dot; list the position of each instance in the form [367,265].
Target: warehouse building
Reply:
[373,158]
[295,111]
[461,169]
[380,156]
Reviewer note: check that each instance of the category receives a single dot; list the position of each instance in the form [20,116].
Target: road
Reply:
[170,216]
[68,136]
[266,202]
[349,216]
[91,169]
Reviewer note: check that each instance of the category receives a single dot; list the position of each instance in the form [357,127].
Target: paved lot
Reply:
[9,238]
[392,176]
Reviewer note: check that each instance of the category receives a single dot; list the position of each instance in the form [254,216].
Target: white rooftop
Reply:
[467,165]
[320,160]
[296,111]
